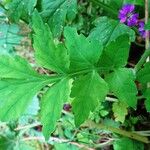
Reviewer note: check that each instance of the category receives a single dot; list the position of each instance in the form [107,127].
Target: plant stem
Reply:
[58,140]
[128,134]
[146,21]
[142,60]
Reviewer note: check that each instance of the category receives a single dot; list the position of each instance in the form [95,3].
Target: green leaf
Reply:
[87,91]
[146,94]
[6,143]
[15,67]
[144,74]
[52,104]
[9,37]
[57,12]
[20,9]
[120,111]
[108,30]
[82,56]
[135,2]
[121,83]
[47,53]
[147,26]
[126,143]
[116,53]
[17,86]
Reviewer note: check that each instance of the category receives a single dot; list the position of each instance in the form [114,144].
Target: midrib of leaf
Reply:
[114,28]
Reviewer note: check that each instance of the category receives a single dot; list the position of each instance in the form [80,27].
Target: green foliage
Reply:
[143,76]
[82,56]
[10,143]
[120,111]
[87,92]
[147,101]
[121,83]
[47,54]
[52,104]
[16,78]
[136,2]
[57,12]
[125,143]
[5,143]
[147,26]
[18,9]
[116,53]
[108,30]
[87,72]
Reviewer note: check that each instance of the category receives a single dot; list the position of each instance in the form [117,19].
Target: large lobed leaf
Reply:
[108,30]
[115,54]
[84,54]
[52,104]
[121,83]
[18,85]
[87,91]
[48,54]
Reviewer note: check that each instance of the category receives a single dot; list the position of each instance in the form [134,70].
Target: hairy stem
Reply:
[128,134]
[146,21]
[142,60]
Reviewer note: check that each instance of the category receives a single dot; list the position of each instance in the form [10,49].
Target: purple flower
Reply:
[141,29]
[141,25]
[127,15]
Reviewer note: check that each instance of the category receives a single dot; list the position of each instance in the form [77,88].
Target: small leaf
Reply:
[116,53]
[48,55]
[121,83]
[87,91]
[108,30]
[120,111]
[82,56]
[52,104]
[126,143]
